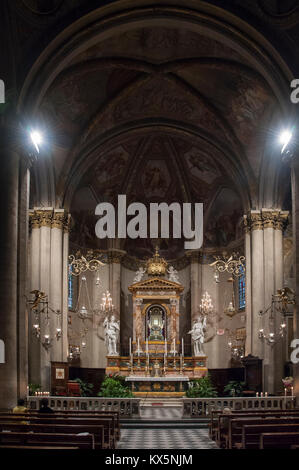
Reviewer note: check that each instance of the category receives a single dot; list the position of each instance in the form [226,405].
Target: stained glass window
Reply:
[242,301]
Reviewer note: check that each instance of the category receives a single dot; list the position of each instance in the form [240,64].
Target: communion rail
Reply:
[193,407]
[127,407]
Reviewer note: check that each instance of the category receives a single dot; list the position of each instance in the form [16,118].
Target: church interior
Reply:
[139,342]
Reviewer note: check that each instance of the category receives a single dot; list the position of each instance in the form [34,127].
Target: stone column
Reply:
[257,280]
[264,275]
[295,214]
[9,194]
[49,271]
[248,345]
[269,275]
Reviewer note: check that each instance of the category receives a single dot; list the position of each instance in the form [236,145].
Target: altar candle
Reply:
[285,392]
[257,394]
[292,388]
[146,345]
[183,352]
[165,346]
[262,394]
[138,344]
[130,346]
[174,351]
[266,394]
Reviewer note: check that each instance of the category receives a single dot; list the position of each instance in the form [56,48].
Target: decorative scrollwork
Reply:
[79,264]
[233,264]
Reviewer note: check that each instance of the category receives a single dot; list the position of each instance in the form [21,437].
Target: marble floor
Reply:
[161,412]
[168,438]
[165,439]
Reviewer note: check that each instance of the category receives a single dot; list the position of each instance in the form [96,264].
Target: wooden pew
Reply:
[214,426]
[236,425]
[96,430]
[51,418]
[74,413]
[279,440]
[46,439]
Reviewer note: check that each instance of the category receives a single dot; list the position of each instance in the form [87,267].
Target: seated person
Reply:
[44,408]
[20,408]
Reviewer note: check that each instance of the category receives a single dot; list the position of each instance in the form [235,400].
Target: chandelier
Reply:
[230,310]
[206,305]
[280,303]
[233,264]
[106,305]
[79,264]
[39,306]
[83,307]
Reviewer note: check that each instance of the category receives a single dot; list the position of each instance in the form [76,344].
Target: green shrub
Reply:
[201,388]
[85,388]
[234,388]
[34,388]
[114,387]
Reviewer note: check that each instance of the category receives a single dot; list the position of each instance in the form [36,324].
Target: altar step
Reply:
[156,402]
[165,424]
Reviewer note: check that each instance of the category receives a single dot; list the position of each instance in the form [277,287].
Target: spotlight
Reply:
[36,138]
[285,138]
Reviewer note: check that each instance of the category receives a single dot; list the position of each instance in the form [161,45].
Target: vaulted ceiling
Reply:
[161,113]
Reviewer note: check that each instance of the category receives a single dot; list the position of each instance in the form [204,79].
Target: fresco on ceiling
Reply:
[112,166]
[160,43]
[247,107]
[155,179]
[224,221]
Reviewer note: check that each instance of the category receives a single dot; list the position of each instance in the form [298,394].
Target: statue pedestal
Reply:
[199,366]
[113,365]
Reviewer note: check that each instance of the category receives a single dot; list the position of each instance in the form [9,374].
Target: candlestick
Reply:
[257,394]
[262,394]
[183,352]
[138,347]
[292,389]
[146,345]
[130,346]
[285,392]
[266,394]
[165,344]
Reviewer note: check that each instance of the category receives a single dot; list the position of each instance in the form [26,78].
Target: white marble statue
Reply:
[173,274]
[111,335]
[139,275]
[198,336]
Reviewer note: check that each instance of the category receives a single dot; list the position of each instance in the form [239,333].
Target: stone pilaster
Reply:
[195,279]
[264,275]
[49,271]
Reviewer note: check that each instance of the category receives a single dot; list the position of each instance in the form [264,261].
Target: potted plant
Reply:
[34,388]
[114,387]
[234,388]
[85,388]
[201,388]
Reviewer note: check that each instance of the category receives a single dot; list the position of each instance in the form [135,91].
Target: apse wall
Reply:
[219,326]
